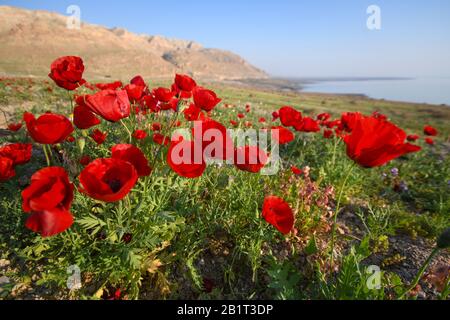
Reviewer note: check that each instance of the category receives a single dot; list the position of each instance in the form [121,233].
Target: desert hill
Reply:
[31,40]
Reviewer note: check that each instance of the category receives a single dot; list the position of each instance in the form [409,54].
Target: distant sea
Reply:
[431,90]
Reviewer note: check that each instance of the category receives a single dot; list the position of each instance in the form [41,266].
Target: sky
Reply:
[291,38]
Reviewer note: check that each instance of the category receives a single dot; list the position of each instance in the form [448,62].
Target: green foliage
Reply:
[284,280]
[171,233]
[355,281]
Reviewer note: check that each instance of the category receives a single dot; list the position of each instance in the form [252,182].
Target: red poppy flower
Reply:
[180,93]
[250,158]
[160,139]
[171,105]
[275,116]
[6,169]
[50,188]
[332,124]
[241,115]
[139,111]
[108,180]
[133,155]
[49,128]
[156,126]
[349,120]
[85,160]
[429,141]
[50,222]
[289,116]
[109,86]
[278,213]
[80,100]
[83,118]
[214,138]
[205,99]
[262,120]
[98,136]
[328,134]
[296,171]
[14,127]
[111,105]
[163,94]
[192,113]
[234,123]
[67,72]
[140,134]
[412,137]
[138,81]
[374,142]
[134,92]
[19,153]
[117,295]
[185,83]
[282,135]
[338,133]
[149,102]
[48,199]
[324,117]
[186,159]
[430,131]
[307,124]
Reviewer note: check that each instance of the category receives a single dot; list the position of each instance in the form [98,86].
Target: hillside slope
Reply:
[31,40]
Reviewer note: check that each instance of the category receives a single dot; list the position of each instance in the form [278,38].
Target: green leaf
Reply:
[91,222]
[311,248]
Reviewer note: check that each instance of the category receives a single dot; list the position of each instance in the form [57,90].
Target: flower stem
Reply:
[47,156]
[130,135]
[336,142]
[71,103]
[445,293]
[419,275]
[338,207]
[172,122]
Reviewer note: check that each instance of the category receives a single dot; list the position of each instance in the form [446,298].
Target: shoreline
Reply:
[299,86]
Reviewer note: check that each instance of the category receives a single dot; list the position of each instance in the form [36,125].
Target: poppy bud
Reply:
[443,241]
[127,237]
[81,144]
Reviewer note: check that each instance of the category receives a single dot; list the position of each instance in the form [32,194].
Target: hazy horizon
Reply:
[292,39]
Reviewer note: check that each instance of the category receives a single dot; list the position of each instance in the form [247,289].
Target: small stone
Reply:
[4,263]
[422,295]
[4,280]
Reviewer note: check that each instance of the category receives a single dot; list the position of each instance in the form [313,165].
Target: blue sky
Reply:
[291,37]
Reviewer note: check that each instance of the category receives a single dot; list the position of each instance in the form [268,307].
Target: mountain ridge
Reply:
[32,39]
